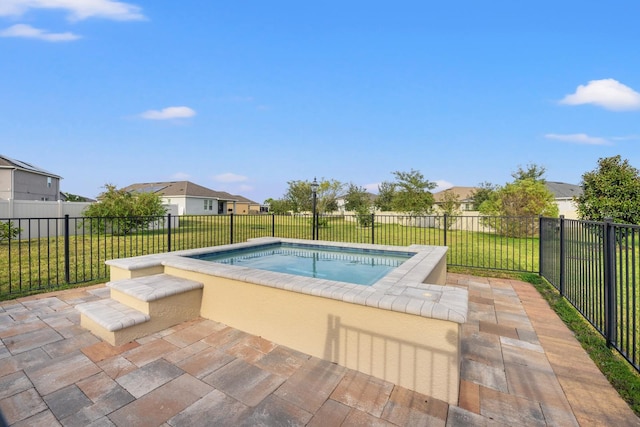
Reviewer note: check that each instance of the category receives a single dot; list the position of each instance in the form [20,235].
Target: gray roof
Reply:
[179,188]
[562,190]
[9,163]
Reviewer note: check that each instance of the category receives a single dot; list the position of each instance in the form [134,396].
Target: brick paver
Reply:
[520,366]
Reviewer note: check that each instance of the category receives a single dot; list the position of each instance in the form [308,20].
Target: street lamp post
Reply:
[314,221]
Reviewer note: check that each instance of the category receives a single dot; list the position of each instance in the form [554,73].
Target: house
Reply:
[564,194]
[194,199]
[20,180]
[464,197]
[247,206]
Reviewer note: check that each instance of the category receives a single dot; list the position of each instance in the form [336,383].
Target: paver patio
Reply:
[520,366]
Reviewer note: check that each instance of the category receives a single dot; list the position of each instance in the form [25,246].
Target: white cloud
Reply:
[77,9]
[578,138]
[169,113]
[230,177]
[607,93]
[29,32]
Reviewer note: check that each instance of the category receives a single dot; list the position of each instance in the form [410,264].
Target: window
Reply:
[208,205]
[49,181]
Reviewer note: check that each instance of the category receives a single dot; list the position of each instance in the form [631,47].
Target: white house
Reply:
[194,199]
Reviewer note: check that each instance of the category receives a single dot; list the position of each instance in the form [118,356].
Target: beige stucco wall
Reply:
[415,352]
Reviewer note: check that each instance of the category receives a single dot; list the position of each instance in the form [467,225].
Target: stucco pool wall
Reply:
[400,329]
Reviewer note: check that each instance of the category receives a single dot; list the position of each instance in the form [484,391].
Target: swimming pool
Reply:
[405,328]
[351,265]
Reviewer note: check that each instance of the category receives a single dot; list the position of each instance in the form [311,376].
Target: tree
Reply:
[300,196]
[357,199]
[278,206]
[125,211]
[450,206]
[612,190]
[533,171]
[515,203]
[412,194]
[482,193]
[386,193]
[328,192]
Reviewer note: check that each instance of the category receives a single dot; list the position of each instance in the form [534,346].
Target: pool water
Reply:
[362,267]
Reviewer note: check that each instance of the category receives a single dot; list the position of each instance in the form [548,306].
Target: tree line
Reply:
[410,193]
[610,191]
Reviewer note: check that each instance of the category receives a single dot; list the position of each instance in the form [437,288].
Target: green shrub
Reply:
[8,231]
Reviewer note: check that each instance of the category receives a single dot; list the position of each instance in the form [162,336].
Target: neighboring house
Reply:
[564,194]
[193,199]
[246,206]
[20,180]
[464,197]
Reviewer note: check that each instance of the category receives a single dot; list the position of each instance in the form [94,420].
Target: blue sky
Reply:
[243,96]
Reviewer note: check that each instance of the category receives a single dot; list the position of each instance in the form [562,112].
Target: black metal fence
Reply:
[52,252]
[595,266]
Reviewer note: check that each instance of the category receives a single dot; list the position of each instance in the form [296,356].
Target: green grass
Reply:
[617,370]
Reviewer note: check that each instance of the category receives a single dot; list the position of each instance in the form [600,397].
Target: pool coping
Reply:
[402,290]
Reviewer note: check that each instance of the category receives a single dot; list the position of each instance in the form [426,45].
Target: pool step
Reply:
[141,306]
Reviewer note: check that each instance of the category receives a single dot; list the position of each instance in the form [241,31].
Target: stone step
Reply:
[112,315]
[154,287]
[142,306]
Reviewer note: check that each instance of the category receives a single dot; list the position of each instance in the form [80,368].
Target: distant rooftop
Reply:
[8,162]
[183,188]
[563,190]
[463,193]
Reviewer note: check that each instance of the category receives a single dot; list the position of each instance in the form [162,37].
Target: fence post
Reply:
[540,251]
[231,228]
[609,282]
[373,226]
[562,256]
[445,229]
[273,225]
[169,233]
[67,260]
